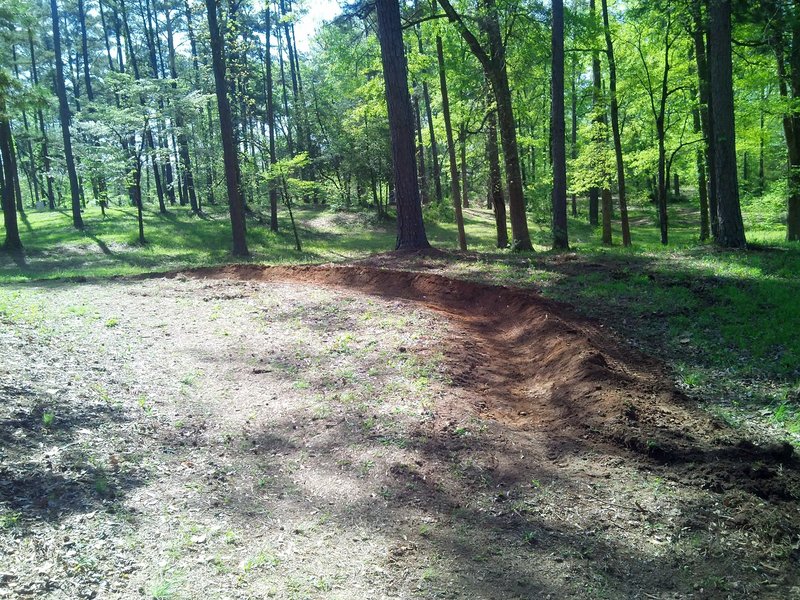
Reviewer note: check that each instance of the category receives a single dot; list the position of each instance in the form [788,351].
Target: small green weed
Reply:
[165,589]
[10,520]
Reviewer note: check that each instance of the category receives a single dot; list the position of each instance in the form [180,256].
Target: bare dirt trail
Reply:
[536,365]
[353,432]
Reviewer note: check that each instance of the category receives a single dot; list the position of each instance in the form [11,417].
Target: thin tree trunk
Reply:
[701,177]
[698,34]
[40,118]
[147,24]
[462,142]
[494,66]
[149,135]
[495,178]
[560,237]
[289,138]
[597,96]
[29,146]
[455,191]
[183,142]
[64,117]
[574,125]
[508,135]
[435,166]
[615,128]
[273,158]
[230,157]
[423,174]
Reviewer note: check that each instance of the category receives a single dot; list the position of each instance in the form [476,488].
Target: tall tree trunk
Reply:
[560,237]
[661,134]
[615,128]
[298,121]
[230,157]
[455,191]
[574,124]
[150,38]
[494,66]
[98,181]
[410,227]
[761,141]
[704,90]
[597,97]
[40,118]
[462,142]
[285,95]
[28,146]
[508,135]
[789,87]
[434,155]
[701,176]
[423,174]
[64,117]
[495,178]
[12,241]
[435,166]
[183,142]
[731,228]
[134,63]
[15,170]
[273,157]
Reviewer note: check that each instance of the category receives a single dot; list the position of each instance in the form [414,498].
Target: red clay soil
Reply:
[534,364]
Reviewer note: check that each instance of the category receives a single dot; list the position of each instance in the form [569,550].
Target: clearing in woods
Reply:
[355,432]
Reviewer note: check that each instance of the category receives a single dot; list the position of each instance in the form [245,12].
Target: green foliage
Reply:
[439,212]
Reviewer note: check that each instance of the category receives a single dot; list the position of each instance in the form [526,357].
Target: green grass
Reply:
[727,321]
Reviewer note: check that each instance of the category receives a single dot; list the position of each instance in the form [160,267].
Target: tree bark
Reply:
[40,118]
[789,87]
[435,166]
[455,191]
[496,199]
[12,241]
[574,124]
[494,66]
[704,90]
[64,117]
[597,96]
[462,142]
[230,157]
[615,128]
[423,174]
[560,237]
[731,228]
[410,227]
[702,184]
[183,142]
[273,157]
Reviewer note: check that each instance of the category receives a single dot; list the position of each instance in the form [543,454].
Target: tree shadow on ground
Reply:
[49,467]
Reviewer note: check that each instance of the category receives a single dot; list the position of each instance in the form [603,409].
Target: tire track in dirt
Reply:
[535,364]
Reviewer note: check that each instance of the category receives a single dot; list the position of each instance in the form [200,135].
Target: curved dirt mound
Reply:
[535,364]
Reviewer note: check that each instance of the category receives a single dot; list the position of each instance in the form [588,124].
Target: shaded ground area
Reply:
[352,432]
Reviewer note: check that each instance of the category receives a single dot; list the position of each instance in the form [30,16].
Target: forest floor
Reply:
[353,432]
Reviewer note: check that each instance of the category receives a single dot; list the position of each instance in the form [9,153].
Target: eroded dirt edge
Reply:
[535,364]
